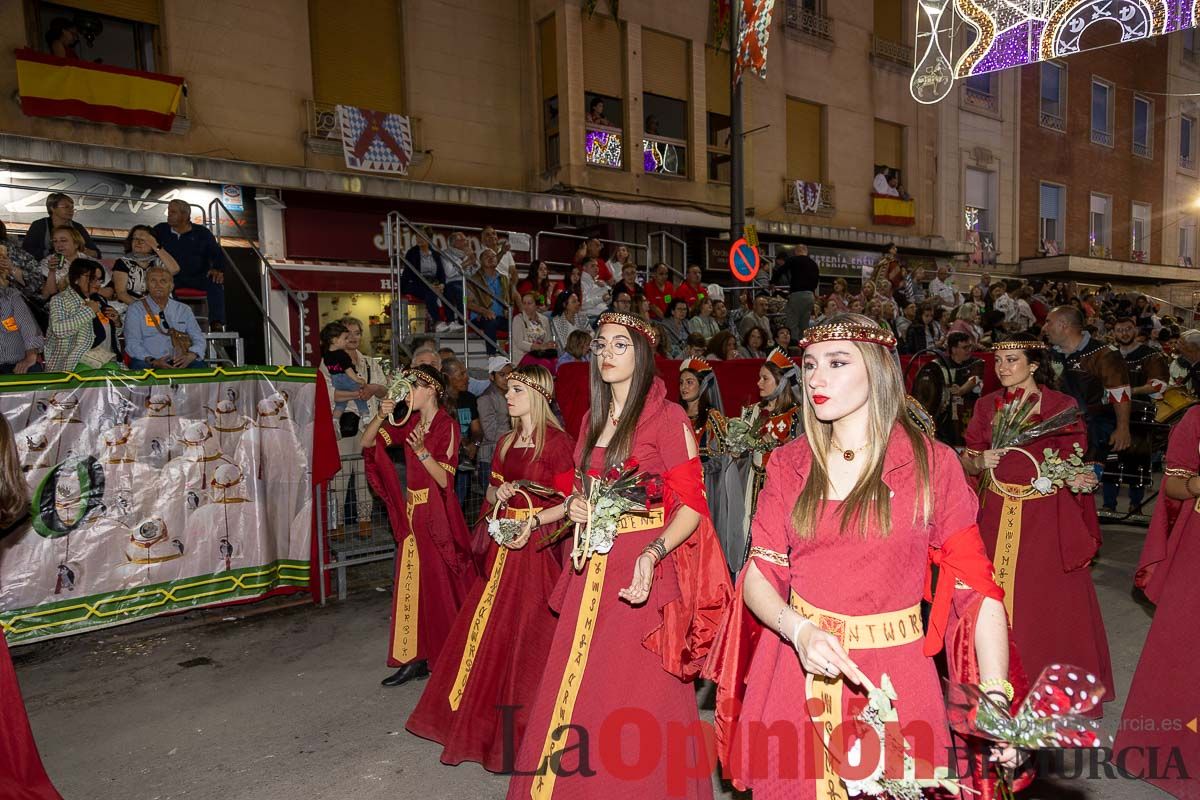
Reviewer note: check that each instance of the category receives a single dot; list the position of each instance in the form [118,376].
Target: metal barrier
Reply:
[665,239]
[352,525]
[537,244]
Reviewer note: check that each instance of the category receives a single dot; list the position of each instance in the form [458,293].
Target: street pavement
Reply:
[267,702]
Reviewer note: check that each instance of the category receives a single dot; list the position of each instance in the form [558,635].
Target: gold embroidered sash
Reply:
[408,586]
[483,612]
[866,632]
[1008,538]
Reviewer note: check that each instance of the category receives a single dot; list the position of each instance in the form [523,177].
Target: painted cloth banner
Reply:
[753,34]
[156,492]
[375,141]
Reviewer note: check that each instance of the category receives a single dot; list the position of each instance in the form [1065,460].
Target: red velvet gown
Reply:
[1164,686]
[434,571]
[621,675]
[761,680]
[497,649]
[22,776]
[1054,614]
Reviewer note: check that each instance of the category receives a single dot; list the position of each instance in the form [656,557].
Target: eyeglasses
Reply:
[619,346]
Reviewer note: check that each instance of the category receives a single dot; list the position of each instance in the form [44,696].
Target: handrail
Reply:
[398,260]
[663,251]
[215,207]
[537,247]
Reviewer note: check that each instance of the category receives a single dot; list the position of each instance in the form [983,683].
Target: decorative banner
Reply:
[375,141]
[753,34]
[57,87]
[156,493]
[806,196]
[1010,33]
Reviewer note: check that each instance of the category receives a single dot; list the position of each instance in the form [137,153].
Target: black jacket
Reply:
[37,239]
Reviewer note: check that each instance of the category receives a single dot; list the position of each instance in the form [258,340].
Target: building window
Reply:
[805,141]
[664,135]
[1102,113]
[549,66]
[1187,241]
[1100,226]
[603,81]
[889,154]
[719,127]
[1053,96]
[127,41]
[1187,142]
[1188,38]
[1052,214]
[1143,127]
[1139,233]
[979,93]
[977,197]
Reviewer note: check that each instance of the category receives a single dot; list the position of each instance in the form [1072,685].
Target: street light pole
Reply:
[737,199]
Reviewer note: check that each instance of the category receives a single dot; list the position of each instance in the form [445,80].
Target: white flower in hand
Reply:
[1043,485]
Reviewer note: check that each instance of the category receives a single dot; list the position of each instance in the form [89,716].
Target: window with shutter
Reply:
[548,53]
[1051,213]
[805,145]
[602,57]
[665,65]
[716,95]
[357,64]
[133,10]
[889,145]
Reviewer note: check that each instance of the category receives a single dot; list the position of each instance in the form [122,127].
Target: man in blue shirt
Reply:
[201,262]
[149,323]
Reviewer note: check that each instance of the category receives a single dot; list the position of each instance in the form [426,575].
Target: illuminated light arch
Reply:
[984,24]
[1139,19]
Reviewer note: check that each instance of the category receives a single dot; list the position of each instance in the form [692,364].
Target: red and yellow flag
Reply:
[59,87]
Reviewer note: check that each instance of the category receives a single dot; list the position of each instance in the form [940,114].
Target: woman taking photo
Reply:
[82,334]
[1042,545]
[533,336]
[841,541]
[499,643]
[647,605]
[434,569]
[142,251]
[568,317]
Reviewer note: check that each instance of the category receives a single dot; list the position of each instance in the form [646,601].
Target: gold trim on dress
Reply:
[1177,472]
[770,556]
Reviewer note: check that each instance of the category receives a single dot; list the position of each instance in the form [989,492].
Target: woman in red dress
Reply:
[1041,545]
[433,552]
[1164,685]
[477,702]
[22,776]
[637,620]
[851,515]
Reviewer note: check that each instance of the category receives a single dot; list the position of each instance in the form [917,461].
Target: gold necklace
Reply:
[614,418]
[848,454]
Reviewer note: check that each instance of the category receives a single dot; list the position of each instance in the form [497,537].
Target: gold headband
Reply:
[1019,344]
[629,321]
[847,332]
[418,375]
[525,380]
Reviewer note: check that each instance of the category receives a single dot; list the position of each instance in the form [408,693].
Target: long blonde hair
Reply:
[539,410]
[869,502]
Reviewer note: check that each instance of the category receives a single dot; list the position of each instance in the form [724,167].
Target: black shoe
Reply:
[1108,510]
[414,671]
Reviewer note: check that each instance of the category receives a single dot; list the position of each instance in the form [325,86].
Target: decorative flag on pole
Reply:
[375,141]
[753,33]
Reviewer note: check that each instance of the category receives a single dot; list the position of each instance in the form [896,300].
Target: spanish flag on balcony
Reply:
[59,87]
[889,210]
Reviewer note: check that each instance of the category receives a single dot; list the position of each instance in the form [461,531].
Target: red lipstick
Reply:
[819,398]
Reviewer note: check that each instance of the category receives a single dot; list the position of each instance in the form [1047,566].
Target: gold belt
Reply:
[634,523]
[861,632]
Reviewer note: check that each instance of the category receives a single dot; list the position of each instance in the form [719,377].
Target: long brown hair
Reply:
[14,500]
[869,503]
[621,444]
[539,410]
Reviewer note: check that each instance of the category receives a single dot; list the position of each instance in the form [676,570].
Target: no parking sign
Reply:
[743,261]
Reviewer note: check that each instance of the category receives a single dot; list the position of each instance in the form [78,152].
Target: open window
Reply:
[125,35]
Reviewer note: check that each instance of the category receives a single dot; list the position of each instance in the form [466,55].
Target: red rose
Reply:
[1019,394]
[631,464]
[654,489]
[612,474]
[1033,398]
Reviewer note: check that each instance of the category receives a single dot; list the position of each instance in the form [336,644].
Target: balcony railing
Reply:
[663,156]
[808,197]
[603,146]
[323,134]
[892,52]
[980,100]
[1102,137]
[1187,162]
[1142,149]
[799,19]
[1052,121]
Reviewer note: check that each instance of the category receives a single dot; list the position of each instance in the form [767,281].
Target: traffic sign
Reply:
[743,261]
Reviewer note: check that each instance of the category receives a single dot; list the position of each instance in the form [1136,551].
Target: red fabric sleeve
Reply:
[1183,452]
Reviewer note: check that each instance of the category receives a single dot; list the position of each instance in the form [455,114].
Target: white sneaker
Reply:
[441,327]
[453,326]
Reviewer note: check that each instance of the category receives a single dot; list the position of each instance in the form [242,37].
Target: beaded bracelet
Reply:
[998,684]
[657,549]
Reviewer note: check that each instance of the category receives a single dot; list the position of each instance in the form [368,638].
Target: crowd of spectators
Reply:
[62,309]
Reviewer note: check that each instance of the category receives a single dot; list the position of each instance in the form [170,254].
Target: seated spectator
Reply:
[723,346]
[966,320]
[485,297]
[81,335]
[629,283]
[201,262]
[621,261]
[63,38]
[831,309]
[567,317]
[659,291]
[533,337]
[161,333]
[596,294]
[22,268]
[692,290]
[704,323]
[20,338]
[576,350]
[622,303]
[924,333]
[459,261]
[595,114]
[142,251]
[757,318]
[783,338]
[721,315]
[697,346]
[52,270]
[506,265]
[539,283]
[61,210]
[422,260]
[640,307]
[675,326]
[754,343]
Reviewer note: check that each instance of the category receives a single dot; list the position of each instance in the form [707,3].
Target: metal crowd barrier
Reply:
[353,528]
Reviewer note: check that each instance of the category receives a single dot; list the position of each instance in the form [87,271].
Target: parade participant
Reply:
[433,566]
[701,399]
[1164,681]
[1149,376]
[851,515]
[478,699]
[779,393]
[1042,544]
[636,621]
[1096,376]
[21,772]
[951,386]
